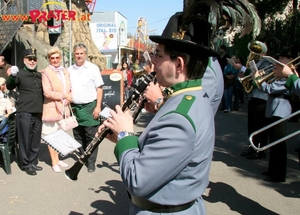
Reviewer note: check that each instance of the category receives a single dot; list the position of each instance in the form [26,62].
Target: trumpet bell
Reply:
[246,83]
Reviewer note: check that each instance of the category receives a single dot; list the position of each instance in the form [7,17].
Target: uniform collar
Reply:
[189,85]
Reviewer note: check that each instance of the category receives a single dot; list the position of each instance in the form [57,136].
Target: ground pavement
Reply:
[236,185]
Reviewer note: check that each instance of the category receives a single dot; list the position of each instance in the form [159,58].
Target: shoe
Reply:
[274,179]
[56,168]
[91,168]
[62,164]
[254,156]
[248,152]
[30,171]
[226,111]
[37,168]
[266,173]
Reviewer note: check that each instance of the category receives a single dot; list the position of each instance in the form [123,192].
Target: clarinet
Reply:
[145,80]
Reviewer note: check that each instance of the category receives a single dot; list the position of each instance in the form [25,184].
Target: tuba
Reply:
[256,48]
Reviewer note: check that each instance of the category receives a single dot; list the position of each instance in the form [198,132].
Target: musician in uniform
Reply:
[256,113]
[278,107]
[292,81]
[165,173]
[28,81]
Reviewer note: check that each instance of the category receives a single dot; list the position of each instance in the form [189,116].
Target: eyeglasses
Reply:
[32,59]
[53,58]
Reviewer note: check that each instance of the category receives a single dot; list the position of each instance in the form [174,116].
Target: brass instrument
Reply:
[258,148]
[137,73]
[246,83]
[247,80]
[269,78]
[256,48]
[131,102]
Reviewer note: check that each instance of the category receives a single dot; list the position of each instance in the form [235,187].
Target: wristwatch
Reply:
[157,102]
[124,134]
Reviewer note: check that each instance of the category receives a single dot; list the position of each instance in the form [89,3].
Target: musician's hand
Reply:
[150,107]
[110,136]
[282,72]
[241,75]
[255,74]
[237,66]
[153,92]
[119,121]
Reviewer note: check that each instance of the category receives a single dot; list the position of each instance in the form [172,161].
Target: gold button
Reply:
[188,97]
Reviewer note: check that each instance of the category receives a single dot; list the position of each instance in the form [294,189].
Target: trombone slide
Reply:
[258,148]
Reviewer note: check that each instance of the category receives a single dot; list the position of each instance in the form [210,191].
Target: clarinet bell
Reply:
[72,173]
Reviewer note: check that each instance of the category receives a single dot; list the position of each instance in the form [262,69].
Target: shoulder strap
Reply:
[183,108]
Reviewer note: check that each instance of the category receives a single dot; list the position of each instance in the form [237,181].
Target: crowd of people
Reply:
[44,97]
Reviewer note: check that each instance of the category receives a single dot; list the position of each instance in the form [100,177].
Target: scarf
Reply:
[61,74]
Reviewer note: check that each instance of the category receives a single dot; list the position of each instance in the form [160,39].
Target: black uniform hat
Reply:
[30,52]
[184,40]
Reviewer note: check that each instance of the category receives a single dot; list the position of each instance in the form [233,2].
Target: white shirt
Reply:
[85,80]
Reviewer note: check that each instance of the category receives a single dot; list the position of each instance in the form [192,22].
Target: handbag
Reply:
[68,123]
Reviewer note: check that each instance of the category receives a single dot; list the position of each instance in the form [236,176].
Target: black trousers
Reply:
[257,120]
[29,131]
[278,152]
[84,135]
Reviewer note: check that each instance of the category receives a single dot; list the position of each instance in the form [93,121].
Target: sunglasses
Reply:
[32,59]
[53,58]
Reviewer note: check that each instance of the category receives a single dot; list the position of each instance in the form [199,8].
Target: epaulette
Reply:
[183,108]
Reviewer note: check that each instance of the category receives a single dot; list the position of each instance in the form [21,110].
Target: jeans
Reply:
[228,93]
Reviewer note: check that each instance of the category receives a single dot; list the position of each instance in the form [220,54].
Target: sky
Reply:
[156,12]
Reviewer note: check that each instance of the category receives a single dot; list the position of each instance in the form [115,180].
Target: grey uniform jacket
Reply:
[171,160]
[213,83]
[277,103]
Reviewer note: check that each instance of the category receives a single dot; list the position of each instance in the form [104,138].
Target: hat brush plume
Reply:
[241,12]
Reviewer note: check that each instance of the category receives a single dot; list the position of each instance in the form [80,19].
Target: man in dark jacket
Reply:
[29,110]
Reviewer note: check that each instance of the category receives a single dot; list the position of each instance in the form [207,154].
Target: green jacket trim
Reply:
[290,81]
[129,142]
[183,108]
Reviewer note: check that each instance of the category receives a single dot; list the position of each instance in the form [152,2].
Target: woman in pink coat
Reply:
[57,95]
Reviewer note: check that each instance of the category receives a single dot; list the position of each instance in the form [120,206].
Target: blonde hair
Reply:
[54,50]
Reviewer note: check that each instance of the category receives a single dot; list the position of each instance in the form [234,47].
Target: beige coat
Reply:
[54,94]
